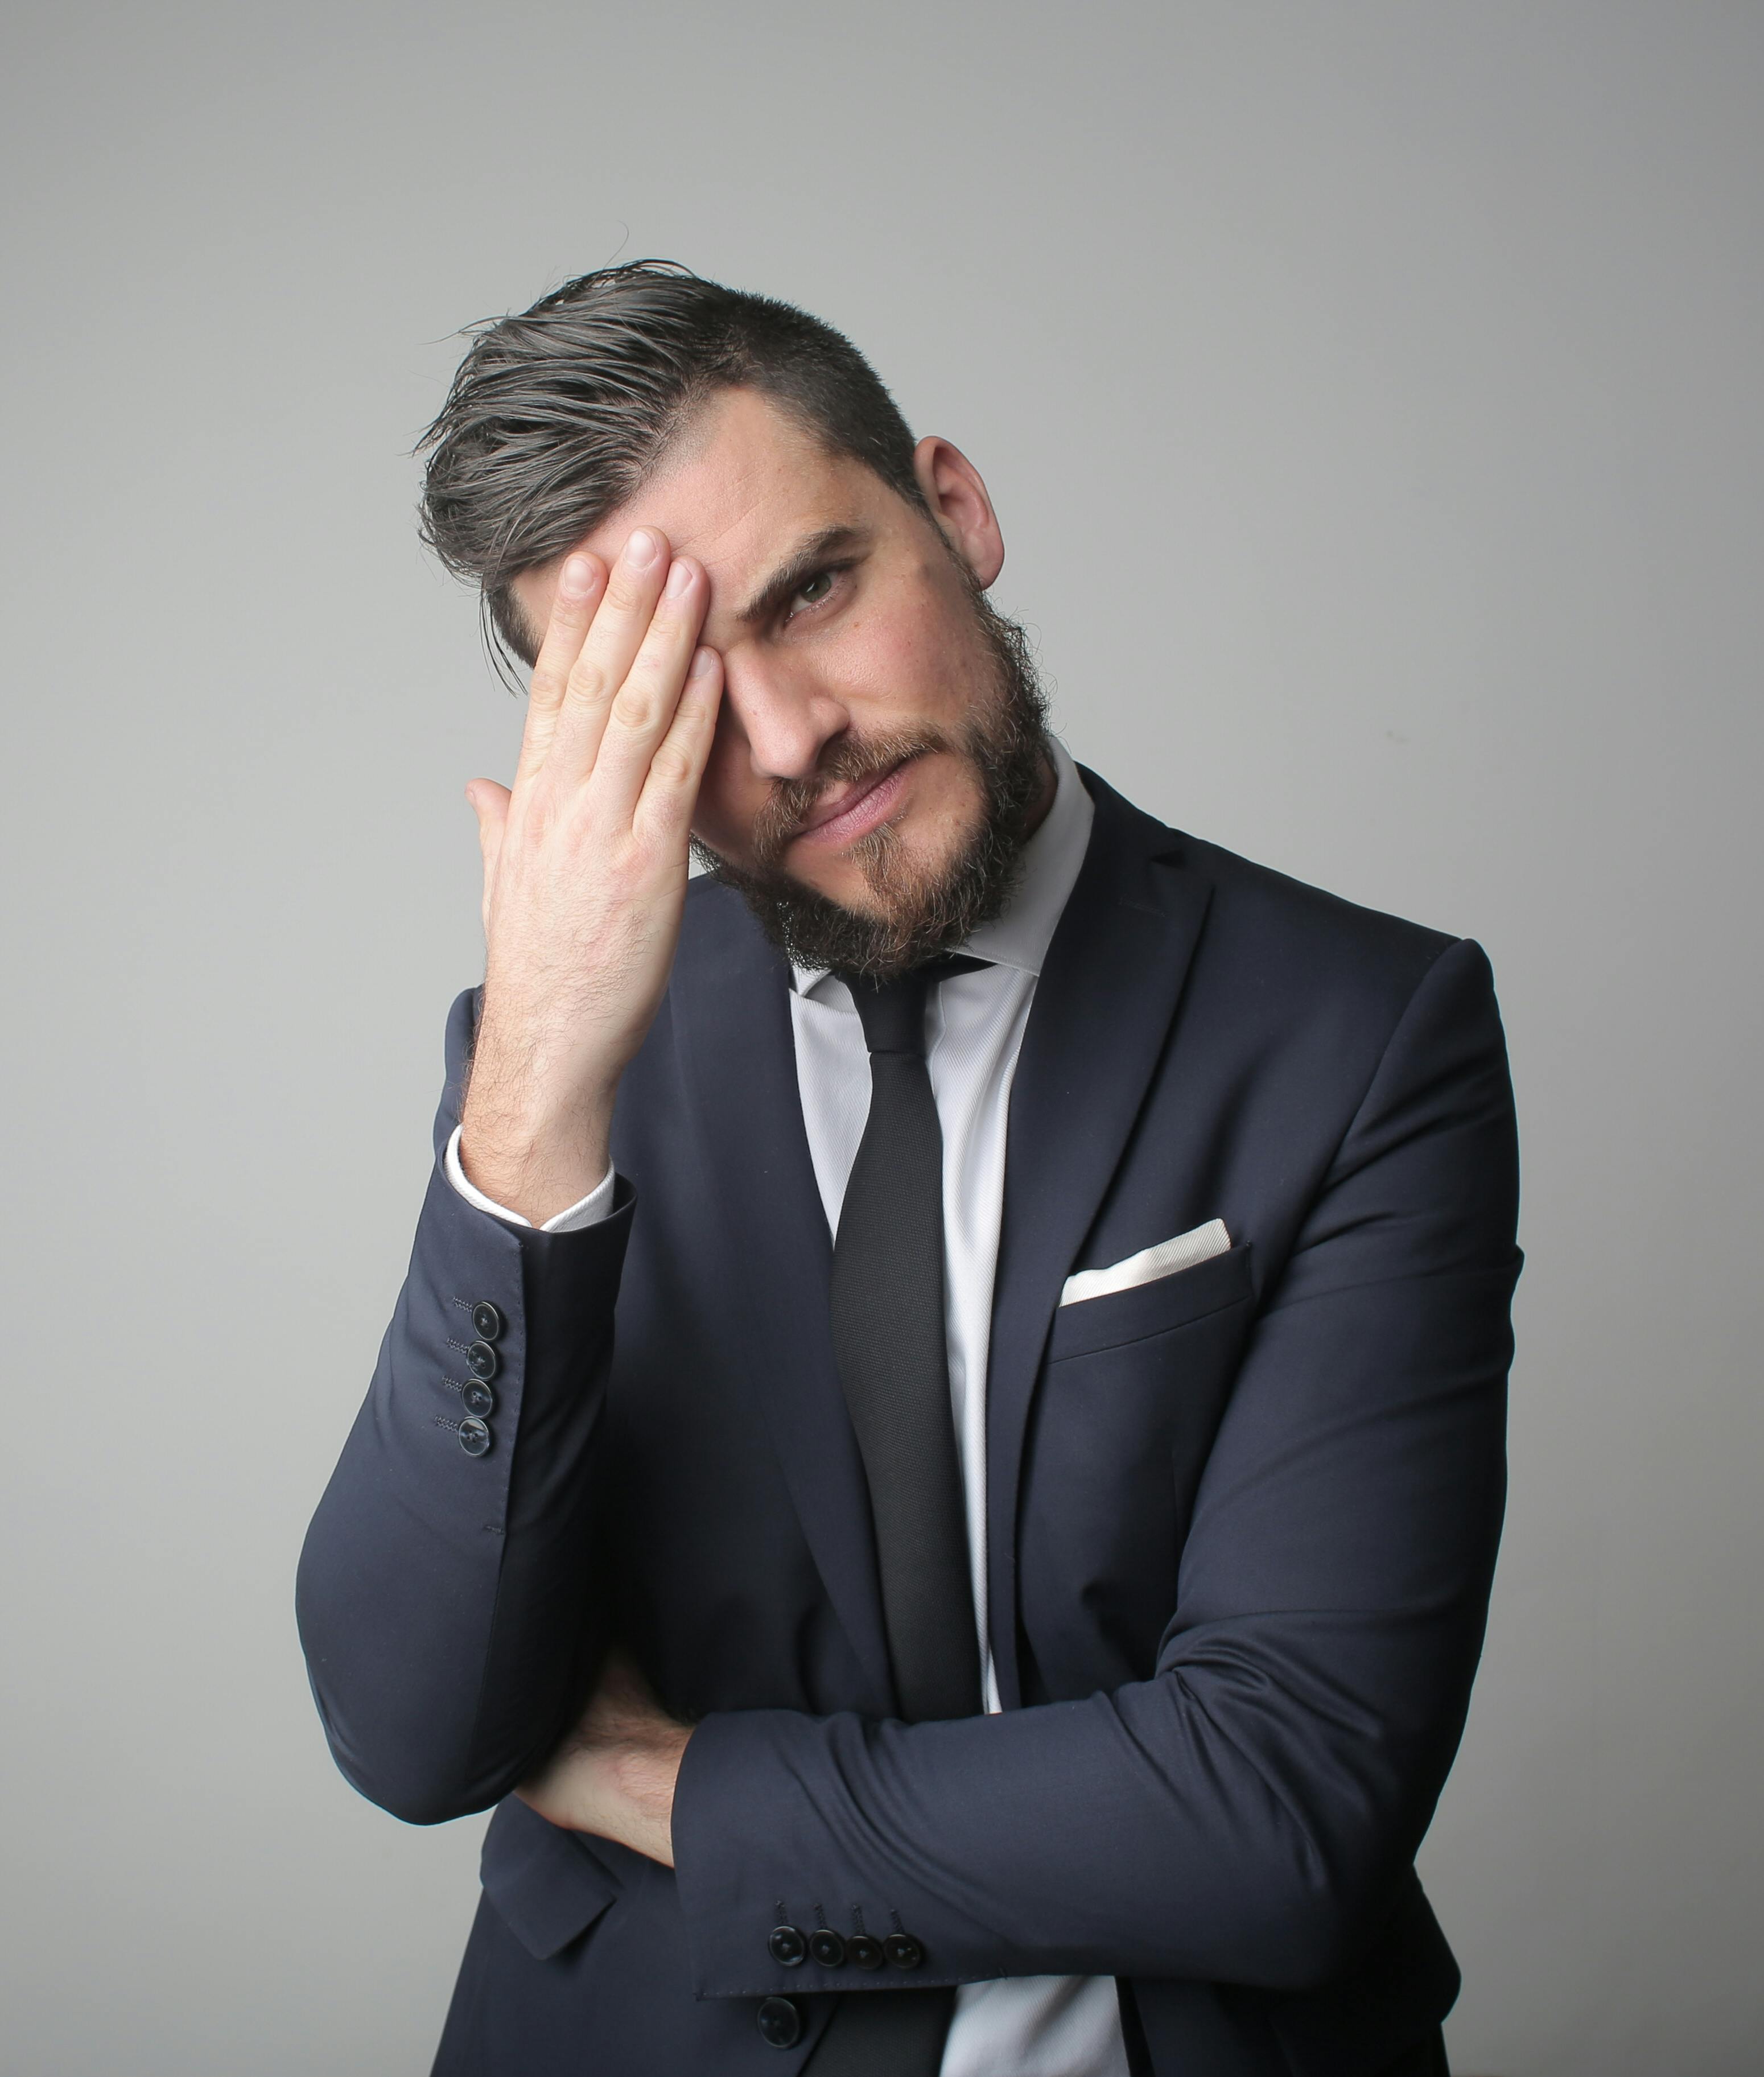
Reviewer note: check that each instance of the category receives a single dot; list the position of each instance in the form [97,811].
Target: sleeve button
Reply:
[482,1360]
[780,2024]
[903,1950]
[479,1398]
[827,1948]
[486,1320]
[474,1437]
[787,1946]
[864,1950]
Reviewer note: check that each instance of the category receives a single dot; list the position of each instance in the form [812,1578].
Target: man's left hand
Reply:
[613,1775]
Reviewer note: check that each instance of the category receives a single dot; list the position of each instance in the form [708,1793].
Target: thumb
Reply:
[490,804]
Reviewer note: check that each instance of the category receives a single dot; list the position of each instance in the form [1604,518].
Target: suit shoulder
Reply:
[1276,922]
[1280,909]
[1314,959]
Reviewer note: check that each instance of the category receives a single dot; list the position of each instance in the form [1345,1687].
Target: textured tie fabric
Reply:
[890,1344]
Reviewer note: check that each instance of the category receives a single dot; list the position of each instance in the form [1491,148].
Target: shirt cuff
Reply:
[587,1211]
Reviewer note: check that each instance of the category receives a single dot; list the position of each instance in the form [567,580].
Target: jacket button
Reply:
[903,1950]
[474,1438]
[486,1322]
[479,1398]
[827,1948]
[787,1946]
[863,1951]
[780,2024]
[482,1360]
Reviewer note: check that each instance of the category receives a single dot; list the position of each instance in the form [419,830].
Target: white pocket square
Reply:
[1149,1264]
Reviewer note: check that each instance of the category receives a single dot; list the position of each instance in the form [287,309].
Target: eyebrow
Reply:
[784,582]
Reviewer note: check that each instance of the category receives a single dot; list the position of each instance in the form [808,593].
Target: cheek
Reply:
[905,665]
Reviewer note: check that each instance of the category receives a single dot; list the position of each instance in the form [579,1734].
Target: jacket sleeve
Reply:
[1247,1813]
[445,1599]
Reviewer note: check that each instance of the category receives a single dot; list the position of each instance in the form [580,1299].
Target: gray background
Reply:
[1372,396]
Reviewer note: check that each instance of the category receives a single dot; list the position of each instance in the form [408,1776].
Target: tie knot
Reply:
[893,1011]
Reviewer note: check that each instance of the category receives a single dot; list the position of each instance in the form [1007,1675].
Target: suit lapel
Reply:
[730,1006]
[1102,1011]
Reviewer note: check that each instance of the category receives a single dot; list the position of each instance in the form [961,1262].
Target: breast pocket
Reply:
[1134,1386]
[1094,1324]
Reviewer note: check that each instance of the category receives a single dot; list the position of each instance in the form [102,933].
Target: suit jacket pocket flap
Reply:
[1151,1308]
[546,1886]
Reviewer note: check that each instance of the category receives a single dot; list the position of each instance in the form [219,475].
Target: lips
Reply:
[855,809]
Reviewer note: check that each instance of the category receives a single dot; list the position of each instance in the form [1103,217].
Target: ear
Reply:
[951,487]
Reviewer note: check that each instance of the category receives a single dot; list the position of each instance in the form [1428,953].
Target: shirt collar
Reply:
[1051,860]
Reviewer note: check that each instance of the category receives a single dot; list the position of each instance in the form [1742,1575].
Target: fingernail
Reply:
[704,663]
[641,549]
[679,578]
[575,580]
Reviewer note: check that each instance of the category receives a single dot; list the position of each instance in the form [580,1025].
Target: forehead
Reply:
[743,486]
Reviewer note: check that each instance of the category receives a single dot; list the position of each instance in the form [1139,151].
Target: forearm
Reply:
[1245,1814]
[614,1775]
[445,1599]
[1186,1826]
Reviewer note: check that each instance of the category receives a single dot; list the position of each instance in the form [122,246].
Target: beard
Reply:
[921,911]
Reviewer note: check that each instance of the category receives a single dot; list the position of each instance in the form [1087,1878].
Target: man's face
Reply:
[877,722]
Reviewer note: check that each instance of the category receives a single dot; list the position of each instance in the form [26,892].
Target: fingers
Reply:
[643,711]
[608,681]
[624,622]
[676,768]
[580,587]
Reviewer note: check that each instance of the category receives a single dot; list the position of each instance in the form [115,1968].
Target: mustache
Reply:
[851,758]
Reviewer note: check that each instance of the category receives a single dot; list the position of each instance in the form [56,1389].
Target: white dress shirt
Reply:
[1015,2026]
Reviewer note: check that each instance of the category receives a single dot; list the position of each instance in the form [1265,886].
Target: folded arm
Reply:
[1247,1813]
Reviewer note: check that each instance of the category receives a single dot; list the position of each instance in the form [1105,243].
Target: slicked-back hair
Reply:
[557,416]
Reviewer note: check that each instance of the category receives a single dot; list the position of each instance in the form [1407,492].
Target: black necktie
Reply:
[890,1346]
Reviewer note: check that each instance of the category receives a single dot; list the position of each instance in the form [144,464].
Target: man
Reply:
[949,1502]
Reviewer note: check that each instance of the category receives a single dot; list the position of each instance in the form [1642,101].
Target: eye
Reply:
[818,587]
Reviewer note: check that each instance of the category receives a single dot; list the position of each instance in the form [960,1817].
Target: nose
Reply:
[785,719]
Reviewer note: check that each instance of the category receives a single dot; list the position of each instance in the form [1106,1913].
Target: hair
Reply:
[557,416]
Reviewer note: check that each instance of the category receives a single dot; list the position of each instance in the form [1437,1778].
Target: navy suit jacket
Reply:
[1242,1521]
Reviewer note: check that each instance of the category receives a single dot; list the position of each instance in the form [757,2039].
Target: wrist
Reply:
[644,1772]
[534,1168]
